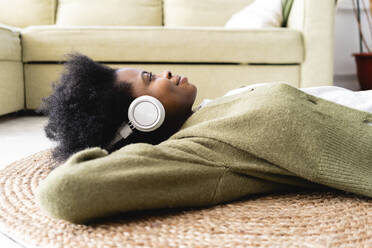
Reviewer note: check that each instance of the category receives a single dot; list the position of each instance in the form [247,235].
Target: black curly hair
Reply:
[87,107]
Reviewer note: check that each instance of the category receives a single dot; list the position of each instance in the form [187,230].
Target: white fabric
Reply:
[360,100]
[259,14]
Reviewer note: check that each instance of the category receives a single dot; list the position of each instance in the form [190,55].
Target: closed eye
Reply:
[148,76]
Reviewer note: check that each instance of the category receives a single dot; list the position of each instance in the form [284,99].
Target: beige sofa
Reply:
[184,36]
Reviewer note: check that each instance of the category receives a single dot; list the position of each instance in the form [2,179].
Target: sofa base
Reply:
[11,87]
[212,80]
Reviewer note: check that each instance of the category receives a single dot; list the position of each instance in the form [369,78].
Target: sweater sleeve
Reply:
[187,172]
[140,176]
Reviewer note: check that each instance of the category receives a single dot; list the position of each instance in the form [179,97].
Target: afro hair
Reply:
[86,107]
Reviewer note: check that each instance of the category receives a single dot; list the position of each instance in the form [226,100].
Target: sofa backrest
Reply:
[22,13]
[109,12]
[201,12]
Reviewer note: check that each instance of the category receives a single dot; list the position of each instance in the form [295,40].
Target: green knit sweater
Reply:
[272,138]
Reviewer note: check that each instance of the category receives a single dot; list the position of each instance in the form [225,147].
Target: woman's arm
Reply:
[186,172]
[141,176]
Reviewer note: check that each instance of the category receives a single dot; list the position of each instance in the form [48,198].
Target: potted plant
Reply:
[363,59]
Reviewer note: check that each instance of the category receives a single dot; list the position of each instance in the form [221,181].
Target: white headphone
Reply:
[145,113]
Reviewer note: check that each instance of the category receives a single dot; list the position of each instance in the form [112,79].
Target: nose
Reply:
[167,74]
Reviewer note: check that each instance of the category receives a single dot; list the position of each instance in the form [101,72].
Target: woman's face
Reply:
[175,92]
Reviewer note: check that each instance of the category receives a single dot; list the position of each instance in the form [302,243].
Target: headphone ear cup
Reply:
[146,113]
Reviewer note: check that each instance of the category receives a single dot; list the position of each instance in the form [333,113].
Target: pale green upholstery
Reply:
[23,13]
[185,36]
[11,71]
[39,77]
[49,43]
[109,12]
[315,19]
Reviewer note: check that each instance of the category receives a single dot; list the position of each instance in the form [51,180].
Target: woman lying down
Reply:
[129,139]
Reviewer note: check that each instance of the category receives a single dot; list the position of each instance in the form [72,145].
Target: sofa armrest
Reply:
[11,70]
[315,19]
[10,43]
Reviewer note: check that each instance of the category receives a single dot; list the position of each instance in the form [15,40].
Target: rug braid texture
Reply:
[292,219]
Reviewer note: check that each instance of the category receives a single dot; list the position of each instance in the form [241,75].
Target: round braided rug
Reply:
[298,219]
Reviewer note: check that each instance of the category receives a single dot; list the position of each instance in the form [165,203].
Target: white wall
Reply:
[346,37]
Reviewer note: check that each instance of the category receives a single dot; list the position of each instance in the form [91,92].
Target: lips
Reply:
[181,80]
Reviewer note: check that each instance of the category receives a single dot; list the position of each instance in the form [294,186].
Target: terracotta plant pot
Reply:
[364,70]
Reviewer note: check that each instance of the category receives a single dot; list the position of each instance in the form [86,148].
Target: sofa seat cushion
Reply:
[164,44]
[10,44]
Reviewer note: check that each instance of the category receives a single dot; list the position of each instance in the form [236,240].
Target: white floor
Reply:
[22,135]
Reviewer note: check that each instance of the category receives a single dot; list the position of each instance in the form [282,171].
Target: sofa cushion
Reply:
[212,80]
[164,44]
[12,93]
[110,12]
[201,13]
[22,13]
[10,44]
[259,14]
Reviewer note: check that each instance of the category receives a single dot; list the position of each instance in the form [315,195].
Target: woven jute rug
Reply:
[292,219]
